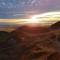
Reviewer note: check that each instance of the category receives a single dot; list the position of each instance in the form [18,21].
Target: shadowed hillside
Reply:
[30,43]
[55,26]
[56,31]
[7,46]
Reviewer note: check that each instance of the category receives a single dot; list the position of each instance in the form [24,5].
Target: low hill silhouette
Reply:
[55,26]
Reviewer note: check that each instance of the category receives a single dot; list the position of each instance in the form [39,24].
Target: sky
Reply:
[26,8]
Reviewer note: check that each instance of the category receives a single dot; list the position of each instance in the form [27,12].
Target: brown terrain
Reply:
[33,43]
[38,43]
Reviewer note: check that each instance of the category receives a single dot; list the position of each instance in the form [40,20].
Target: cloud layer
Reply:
[26,8]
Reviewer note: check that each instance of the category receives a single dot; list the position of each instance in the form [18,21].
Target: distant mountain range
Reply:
[11,26]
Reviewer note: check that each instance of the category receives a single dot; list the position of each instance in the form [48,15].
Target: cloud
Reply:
[19,8]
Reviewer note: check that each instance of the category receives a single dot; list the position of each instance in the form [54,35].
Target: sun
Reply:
[47,18]
[32,21]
